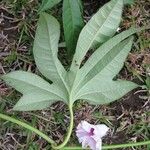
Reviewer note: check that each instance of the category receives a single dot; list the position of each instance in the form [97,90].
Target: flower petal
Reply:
[92,144]
[86,126]
[99,145]
[100,131]
[90,135]
[79,126]
[88,141]
[80,134]
[85,142]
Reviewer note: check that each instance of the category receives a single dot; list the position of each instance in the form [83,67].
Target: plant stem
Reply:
[113,146]
[44,136]
[25,125]
[69,131]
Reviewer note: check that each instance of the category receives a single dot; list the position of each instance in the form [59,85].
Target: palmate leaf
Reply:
[35,90]
[45,50]
[99,29]
[48,4]
[72,23]
[93,81]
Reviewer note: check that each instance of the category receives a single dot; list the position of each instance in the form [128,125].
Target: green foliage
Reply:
[37,93]
[94,81]
[46,48]
[48,4]
[102,26]
[148,82]
[12,57]
[128,2]
[98,82]
[72,23]
[102,51]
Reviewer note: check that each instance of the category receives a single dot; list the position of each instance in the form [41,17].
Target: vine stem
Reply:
[44,136]
[69,131]
[113,146]
[27,126]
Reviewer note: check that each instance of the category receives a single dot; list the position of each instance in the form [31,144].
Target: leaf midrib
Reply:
[87,93]
[95,36]
[101,26]
[82,79]
[36,87]
[53,56]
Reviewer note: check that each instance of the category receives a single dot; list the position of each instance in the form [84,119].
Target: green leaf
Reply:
[94,81]
[148,82]
[98,82]
[102,26]
[128,2]
[110,44]
[93,61]
[48,4]
[35,100]
[104,90]
[80,3]
[46,50]
[26,82]
[72,23]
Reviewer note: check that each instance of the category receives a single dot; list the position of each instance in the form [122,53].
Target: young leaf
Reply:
[72,23]
[99,29]
[35,100]
[48,4]
[26,82]
[46,50]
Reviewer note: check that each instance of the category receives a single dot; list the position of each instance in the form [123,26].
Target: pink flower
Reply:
[91,135]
